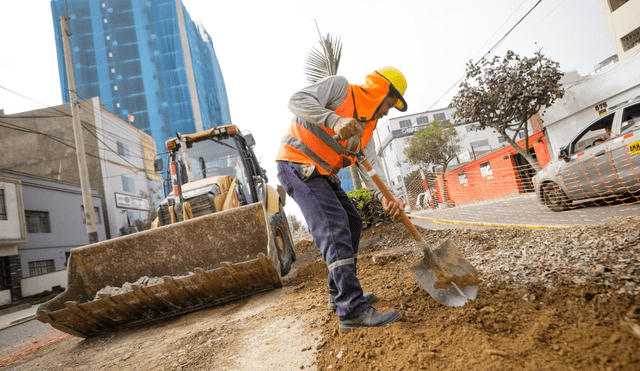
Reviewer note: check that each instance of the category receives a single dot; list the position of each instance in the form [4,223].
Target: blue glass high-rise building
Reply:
[147,60]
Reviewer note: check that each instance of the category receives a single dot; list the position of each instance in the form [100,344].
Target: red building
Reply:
[497,174]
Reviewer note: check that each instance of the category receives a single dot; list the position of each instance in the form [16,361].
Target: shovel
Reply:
[444,273]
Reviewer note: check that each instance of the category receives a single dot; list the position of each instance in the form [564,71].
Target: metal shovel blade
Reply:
[446,275]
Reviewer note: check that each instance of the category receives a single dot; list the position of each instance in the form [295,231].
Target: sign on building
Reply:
[485,170]
[130,202]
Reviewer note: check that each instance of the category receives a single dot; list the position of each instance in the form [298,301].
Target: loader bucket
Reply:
[196,264]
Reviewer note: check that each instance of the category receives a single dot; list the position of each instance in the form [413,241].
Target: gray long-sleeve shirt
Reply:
[316,105]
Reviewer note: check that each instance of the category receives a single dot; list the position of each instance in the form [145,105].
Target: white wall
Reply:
[13,229]
[112,130]
[622,21]
[44,282]
[5,297]
[612,85]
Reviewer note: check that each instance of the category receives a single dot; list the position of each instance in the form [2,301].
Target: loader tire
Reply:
[282,239]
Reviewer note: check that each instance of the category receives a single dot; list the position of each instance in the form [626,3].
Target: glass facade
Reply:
[130,53]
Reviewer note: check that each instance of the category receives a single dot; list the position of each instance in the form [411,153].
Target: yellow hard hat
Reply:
[398,85]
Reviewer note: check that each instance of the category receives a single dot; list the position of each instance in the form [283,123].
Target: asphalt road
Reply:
[18,326]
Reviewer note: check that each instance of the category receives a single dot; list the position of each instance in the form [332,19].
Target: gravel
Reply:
[606,254]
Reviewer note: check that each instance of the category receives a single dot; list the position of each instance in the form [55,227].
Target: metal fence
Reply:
[589,192]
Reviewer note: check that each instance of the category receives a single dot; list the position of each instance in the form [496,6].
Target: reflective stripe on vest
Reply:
[310,143]
[319,141]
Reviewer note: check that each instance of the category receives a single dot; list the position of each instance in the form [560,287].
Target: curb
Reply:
[15,308]
[19,321]
[495,225]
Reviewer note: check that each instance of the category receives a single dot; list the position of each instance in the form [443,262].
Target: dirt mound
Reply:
[554,322]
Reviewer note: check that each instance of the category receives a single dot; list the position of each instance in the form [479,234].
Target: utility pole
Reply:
[87,197]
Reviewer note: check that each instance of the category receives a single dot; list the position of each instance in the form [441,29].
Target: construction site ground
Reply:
[550,299]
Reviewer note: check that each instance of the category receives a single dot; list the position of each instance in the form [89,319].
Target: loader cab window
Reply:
[210,158]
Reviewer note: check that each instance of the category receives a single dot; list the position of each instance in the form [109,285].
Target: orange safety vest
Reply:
[308,143]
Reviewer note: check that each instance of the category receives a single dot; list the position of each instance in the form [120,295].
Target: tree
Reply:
[322,64]
[505,94]
[435,144]
[294,223]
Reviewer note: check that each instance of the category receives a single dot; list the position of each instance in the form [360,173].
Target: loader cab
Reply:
[220,155]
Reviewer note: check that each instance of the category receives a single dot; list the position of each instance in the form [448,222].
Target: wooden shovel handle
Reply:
[383,189]
[385,192]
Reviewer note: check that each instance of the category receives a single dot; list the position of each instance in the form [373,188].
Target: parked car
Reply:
[602,160]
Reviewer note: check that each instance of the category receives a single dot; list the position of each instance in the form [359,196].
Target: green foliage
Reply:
[435,144]
[360,197]
[320,64]
[294,222]
[369,207]
[504,94]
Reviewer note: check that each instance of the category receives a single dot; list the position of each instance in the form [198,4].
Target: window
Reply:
[123,149]
[597,133]
[128,185]
[5,274]
[521,135]
[615,4]
[422,120]
[501,139]
[3,206]
[479,143]
[630,118]
[97,212]
[440,116]
[631,39]
[405,123]
[41,267]
[37,221]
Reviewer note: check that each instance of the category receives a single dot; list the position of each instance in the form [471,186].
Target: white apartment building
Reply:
[393,138]
[623,19]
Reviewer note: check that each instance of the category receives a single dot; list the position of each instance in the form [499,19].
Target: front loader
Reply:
[219,236]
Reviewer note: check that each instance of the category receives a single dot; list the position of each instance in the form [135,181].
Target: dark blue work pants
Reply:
[336,226]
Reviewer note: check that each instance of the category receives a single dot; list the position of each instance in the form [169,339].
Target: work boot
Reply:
[370,318]
[332,299]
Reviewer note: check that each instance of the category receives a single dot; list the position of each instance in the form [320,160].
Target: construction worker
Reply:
[309,159]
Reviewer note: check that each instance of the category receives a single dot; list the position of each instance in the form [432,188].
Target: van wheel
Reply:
[282,239]
[554,197]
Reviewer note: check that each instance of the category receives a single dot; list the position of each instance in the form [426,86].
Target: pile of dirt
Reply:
[541,305]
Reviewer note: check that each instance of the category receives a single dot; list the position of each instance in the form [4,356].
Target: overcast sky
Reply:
[262,45]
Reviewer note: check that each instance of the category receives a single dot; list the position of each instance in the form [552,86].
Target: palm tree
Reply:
[320,64]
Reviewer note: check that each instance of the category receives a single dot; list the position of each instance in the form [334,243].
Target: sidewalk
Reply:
[17,315]
[524,211]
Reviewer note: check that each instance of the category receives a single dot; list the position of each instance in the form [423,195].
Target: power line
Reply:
[59,138]
[487,53]
[33,100]
[31,131]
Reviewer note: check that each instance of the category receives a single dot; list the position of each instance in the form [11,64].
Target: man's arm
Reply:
[316,103]
[392,207]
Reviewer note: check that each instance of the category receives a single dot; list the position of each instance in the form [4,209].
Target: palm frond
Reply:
[320,64]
